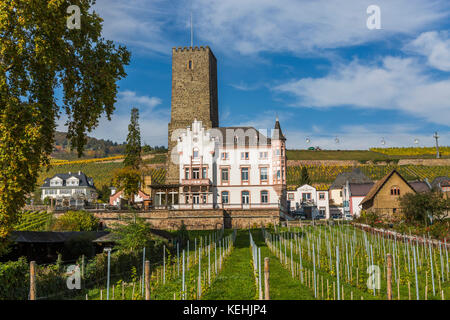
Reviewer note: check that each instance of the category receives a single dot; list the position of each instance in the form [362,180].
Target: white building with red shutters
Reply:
[230,167]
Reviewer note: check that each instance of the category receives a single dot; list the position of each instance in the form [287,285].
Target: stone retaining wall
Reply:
[206,219]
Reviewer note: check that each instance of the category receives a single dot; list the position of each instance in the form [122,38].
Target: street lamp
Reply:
[109,266]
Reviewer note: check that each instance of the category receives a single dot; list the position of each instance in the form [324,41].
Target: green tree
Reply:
[420,206]
[76,221]
[105,193]
[128,180]
[133,235]
[304,178]
[133,148]
[39,53]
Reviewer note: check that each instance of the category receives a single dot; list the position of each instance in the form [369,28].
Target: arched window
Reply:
[395,191]
[195,153]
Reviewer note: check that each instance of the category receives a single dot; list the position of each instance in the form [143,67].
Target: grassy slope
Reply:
[236,281]
[282,285]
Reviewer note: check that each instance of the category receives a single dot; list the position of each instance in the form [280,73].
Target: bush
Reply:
[14,277]
[76,221]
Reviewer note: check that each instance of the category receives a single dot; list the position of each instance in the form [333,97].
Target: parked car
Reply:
[348,217]
[336,216]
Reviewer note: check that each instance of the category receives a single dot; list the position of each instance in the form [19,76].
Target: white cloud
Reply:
[152,120]
[435,46]
[138,23]
[254,26]
[130,98]
[393,84]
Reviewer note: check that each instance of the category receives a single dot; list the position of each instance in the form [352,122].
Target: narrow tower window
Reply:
[190,65]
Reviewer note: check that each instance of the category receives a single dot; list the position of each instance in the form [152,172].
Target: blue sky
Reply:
[315,64]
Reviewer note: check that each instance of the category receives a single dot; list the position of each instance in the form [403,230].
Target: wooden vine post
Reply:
[33,280]
[147,280]
[389,276]
[266,279]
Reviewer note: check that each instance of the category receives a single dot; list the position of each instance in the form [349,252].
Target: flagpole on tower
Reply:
[192,33]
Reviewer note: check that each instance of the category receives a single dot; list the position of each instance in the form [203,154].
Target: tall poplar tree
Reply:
[305,179]
[45,45]
[133,148]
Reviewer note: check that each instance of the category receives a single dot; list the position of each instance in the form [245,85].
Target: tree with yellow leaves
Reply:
[38,54]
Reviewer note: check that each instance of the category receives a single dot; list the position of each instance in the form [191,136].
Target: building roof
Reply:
[355,176]
[380,183]
[419,186]
[360,189]
[277,133]
[252,137]
[84,181]
[441,181]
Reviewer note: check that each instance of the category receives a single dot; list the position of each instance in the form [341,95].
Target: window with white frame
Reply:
[245,197]
[244,174]
[264,196]
[225,156]
[224,175]
[186,173]
[321,195]
[263,174]
[263,155]
[244,155]
[204,173]
[195,173]
[225,196]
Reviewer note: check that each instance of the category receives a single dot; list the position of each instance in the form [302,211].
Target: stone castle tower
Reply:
[194,95]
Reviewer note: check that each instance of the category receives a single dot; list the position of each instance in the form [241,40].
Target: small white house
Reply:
[307,196]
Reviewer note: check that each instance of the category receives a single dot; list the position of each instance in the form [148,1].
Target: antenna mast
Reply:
[192,32]
[437,145]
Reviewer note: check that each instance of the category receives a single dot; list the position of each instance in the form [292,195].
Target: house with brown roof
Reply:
[384,196]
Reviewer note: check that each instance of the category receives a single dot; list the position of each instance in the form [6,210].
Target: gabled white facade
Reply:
[227,172]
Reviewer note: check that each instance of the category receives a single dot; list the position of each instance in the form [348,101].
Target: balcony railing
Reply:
[182,206]
[195,182]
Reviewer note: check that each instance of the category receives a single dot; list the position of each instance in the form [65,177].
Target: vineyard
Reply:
[412,151]
[101,170]
[33,221]
[327,262]
[321,174]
